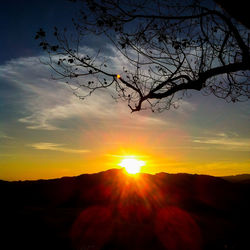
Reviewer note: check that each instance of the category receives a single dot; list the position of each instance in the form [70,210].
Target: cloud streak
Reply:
[57,147]
[224,143]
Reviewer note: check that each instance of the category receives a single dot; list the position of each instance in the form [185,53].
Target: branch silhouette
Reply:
[168,48]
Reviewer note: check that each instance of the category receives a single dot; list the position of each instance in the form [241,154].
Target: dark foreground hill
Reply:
[111,210]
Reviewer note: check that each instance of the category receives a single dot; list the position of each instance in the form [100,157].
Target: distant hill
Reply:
[111,210]
[244,178]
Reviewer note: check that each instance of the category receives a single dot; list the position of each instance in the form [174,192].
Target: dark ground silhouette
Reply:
[111,210]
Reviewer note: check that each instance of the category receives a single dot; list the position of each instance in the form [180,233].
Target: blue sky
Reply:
[45,131]
[20,20]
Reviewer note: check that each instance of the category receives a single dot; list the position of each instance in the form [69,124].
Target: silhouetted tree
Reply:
[238,11]
[169,47]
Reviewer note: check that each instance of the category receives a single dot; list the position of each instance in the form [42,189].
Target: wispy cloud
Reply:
[57,147]
[224,143]
[3,136]
[49,105]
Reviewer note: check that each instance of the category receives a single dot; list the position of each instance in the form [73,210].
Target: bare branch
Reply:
[168,48]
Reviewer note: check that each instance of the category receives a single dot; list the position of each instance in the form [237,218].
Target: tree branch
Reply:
[200,82]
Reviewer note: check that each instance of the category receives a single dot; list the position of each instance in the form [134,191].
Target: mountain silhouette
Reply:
[112,210]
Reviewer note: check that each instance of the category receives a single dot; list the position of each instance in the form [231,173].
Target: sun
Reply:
[131,165]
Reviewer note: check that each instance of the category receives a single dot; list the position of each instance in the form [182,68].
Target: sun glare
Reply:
[132,165]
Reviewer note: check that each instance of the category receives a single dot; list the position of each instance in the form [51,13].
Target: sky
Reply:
[47,132]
